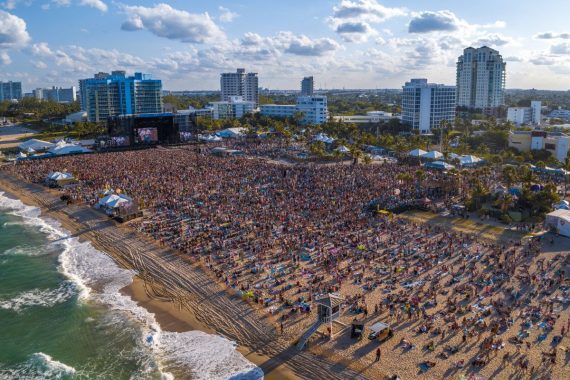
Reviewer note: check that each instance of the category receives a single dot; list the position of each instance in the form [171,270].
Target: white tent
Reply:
[342,149]
[209,138]
[433,155]
[453,156]
[63,148]
[469,160]
[57,176]
[324,138]
[35,145]
[559,221]
[232,133]
[113,201]
[416,153]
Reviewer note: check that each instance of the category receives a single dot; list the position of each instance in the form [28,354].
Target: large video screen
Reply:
[146,135]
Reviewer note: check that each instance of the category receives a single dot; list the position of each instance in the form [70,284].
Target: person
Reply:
[378,354]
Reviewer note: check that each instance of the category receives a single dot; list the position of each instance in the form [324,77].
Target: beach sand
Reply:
[173,319]
[182,296]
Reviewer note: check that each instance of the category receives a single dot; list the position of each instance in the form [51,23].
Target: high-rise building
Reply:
[426,105]
[10,91]
[481,75]
[241,84]
[114,94]
[57,94]
[313,108]
[307,86]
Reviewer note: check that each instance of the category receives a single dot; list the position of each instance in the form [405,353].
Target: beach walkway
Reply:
[171,277]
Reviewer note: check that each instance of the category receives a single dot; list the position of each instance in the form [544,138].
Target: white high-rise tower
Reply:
[241,84]
[481,75]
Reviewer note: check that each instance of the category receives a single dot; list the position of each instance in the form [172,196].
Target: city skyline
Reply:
[343,43]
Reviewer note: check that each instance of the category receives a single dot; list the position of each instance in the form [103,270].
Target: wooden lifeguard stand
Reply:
[328,309]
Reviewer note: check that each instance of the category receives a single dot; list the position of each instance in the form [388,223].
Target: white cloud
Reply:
[561,48]
[352,19]
[368,10]
[303,45]
[164,21]
[226,15]
[440,21]
[5,58]
[97,4]
[355,31]
[552,36]
[13,33]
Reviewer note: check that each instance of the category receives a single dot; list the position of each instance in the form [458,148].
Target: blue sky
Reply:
[342,43]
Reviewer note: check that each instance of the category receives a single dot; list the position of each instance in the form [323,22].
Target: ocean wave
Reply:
[205,356]
[40,297]
[30,250]
[39,366]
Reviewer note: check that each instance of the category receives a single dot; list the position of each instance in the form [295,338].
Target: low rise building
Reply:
[556,143]
[525,115]
[370,118]
[313,108]
[560,114]
[234,108]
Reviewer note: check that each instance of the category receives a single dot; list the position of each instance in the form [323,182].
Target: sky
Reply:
[342,43]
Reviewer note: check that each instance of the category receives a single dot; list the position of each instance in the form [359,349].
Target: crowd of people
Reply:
[281,234]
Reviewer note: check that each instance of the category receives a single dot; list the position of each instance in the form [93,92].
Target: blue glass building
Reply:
[107,95]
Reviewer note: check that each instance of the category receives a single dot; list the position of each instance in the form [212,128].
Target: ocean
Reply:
[62,315]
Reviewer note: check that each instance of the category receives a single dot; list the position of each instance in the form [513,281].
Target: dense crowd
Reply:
[281,234]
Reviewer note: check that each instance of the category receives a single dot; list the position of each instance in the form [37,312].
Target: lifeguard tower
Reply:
[328,311]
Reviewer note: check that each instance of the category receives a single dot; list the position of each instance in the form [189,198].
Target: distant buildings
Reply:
[234,108]
[426,105]
[307,86]
[114,94]
[57,94]
[555,142]
[526,115]
[10,91]
[241,84]
[370,117]
[481,75]
[314,109]
[560,114]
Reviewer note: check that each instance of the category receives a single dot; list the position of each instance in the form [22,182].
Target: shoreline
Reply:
[173,319]
[189,305]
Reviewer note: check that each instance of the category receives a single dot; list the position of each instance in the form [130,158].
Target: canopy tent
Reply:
[57,176]
[559,221]
[439,165]
[433,155]
[35,145]
[342,149]
[30,150]
[209,138]
[21,156]
[453,156]
[231,133]
[416,153]
[62,148]
[324,138]
[469,160]
[113,201]
[563,204]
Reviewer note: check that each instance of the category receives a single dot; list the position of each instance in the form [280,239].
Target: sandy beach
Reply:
[182,300]
[10,136]
[244,248]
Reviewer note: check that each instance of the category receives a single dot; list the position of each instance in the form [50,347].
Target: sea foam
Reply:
[205,356]
[39,297]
